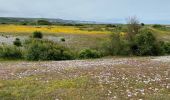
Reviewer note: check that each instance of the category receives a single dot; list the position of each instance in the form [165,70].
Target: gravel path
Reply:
[162,59]
[22,69]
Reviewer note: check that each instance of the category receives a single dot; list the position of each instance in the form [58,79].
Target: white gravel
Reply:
[162,59]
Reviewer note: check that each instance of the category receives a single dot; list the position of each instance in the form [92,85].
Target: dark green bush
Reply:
[37,34]
[88,53]
[157,26]
[111,25]
[43,22]
[166,47]
[63,39]
[17,42]
[161,27]
[24,23]
[142,24]
[46,50]
[146,44]
[10,52]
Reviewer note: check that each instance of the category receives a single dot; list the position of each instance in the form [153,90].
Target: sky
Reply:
[112,11]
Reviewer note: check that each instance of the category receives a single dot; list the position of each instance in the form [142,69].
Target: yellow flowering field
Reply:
[46,29]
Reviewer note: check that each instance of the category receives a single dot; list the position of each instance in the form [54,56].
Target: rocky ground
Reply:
[144,78]
[9,39]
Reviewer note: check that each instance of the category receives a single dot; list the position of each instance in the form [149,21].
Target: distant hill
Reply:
[13,20]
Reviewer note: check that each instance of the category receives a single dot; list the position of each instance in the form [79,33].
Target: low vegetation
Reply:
[35,49]
[88,53]
[17,42]
[137,41]
[37,34]
[10,52]
[134,39]
[63,39]
[166,47]
[46,50]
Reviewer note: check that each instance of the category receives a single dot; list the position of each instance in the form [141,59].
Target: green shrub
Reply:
[125,49]
[10,52]
[146,44]
[43,22]
[118,45]
[17,42]
[46,50]
[166,47]
[111,25]
[142,24]
[114,45]
[142,44]
[63,39]
[88,53]
[37,34]
[24,23]
[161,27]
[157,26]
[138,41]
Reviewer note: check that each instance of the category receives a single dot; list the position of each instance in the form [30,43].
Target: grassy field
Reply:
[77,37]
[162,34]
[101,79]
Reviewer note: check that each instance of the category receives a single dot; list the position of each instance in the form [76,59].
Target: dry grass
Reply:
[163,35]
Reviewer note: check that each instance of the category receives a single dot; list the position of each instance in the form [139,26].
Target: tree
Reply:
[133,27]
